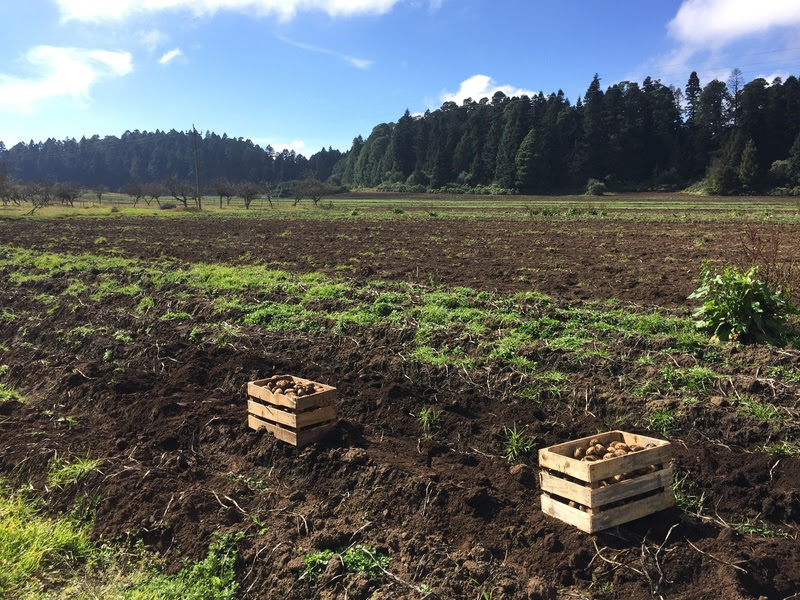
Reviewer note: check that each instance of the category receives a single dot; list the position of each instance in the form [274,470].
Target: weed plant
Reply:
[739,305]
[515,443]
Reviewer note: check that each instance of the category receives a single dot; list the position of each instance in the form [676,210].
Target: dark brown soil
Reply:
[167,416]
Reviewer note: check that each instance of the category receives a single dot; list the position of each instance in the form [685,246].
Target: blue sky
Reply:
[311,73]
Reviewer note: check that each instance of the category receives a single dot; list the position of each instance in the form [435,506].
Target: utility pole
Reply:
[196,170]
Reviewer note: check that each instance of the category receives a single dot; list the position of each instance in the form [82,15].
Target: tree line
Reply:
[158,156]
[731,137]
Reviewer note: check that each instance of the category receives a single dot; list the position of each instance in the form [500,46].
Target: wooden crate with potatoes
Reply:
[295,410]
[605,480]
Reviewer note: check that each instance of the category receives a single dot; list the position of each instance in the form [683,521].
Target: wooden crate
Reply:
[585,494]
[296,420]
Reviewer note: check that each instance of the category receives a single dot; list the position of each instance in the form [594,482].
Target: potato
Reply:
[600,449]
[635,447]
[590,458]
[590,451]
[579,453]
[608,455]
[594,441]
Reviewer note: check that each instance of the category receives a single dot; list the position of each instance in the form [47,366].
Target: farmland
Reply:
[128,336]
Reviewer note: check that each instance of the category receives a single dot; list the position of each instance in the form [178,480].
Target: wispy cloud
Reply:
[359,63]
[168,57]
[57,71]
[285,10]
[707,35]
[482,86]
[711,24]
[152,39]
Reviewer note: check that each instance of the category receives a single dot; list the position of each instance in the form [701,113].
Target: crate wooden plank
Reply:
[297,438]
[319,415]
[327,396]
[559,457]
[632,487]
[566,513]
[632,511]
[306,436]
[591,523]
[614,492]
[279,432]
[272,414]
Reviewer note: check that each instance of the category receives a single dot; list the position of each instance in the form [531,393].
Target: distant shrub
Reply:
[738,305]
[595,188]
[167,205]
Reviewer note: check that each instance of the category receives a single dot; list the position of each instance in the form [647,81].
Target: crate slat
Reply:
[597,497]
[313,417]
[327,396]
[279,432]
[591,523]
[559,457]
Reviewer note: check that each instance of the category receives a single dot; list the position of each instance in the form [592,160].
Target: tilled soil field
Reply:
[165,410]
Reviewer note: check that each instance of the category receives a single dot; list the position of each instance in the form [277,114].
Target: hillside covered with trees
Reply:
[735,137]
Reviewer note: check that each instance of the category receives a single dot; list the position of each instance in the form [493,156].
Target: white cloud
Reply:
[152,39]
[702,24]
[168,57]
[482,86]
[61,72]
[359,63]
[104,10]
[296,145]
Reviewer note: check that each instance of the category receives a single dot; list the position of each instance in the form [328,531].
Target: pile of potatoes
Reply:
[595,450]
[286,385]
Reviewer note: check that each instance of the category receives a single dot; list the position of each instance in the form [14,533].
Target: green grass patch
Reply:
[64,473]
[763,411]
[8,393]
[42,557]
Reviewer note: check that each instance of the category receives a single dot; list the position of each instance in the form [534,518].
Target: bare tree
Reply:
[312,188]
[224,189]
[180,190]
[67,192]
[248,191]
[134,189]
[7,188]
[99,191]
[40,194]
[153,192]
[267,187]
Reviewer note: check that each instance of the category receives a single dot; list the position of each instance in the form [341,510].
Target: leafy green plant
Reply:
[738,305]
[758,528]
[315,563]
[357,559]
[515,443]
[364,559]
[123,337]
